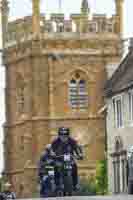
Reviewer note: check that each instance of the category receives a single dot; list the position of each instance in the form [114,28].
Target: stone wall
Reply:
[37,100]
[21,29]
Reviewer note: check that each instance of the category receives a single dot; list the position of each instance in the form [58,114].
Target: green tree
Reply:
[0,184]
[87,187]
[2,181]
[101,177]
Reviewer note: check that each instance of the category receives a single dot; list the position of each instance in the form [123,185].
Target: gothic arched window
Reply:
[82,93]
[119,161]
[118,144]
[78,97]
[54,26]
[60,27]
[73,93]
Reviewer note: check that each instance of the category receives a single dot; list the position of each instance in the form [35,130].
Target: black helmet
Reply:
[63,131]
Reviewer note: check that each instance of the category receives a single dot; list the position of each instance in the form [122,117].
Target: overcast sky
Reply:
[19,8]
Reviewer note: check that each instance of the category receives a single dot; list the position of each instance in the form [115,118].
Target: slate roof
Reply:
[122,79]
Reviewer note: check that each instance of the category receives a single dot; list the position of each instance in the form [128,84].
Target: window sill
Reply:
[79,110]
[120,127]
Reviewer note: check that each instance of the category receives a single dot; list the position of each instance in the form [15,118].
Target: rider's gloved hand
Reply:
[52,153]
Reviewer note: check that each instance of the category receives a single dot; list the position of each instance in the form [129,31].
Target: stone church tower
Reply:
[55,75]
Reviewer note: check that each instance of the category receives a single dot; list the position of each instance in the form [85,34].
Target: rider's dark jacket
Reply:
[70,146]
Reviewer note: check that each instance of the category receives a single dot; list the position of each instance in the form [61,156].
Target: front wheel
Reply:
[68,194]
[68,185]
[59,193]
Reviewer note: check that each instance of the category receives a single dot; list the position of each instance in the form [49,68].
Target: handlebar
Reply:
[72,156]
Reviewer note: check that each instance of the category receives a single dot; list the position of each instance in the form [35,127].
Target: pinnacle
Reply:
[85,6]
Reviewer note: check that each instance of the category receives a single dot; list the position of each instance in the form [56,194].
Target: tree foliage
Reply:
[101,177]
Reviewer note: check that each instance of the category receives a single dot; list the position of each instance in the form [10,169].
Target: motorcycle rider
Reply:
[46,159]
[66,144]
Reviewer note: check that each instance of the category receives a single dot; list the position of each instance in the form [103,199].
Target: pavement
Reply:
[113,197]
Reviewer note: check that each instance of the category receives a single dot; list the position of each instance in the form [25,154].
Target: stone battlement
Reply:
[21,29]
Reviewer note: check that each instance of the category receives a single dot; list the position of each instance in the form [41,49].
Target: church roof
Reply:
[122,79]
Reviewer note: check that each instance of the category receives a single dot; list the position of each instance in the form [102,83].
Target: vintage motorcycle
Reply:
[48,186]
[64,166]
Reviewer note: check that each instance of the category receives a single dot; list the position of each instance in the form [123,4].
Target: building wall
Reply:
[34,116]
[38,72]
[124,134]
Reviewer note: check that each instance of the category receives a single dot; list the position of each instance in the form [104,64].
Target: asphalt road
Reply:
[114,197]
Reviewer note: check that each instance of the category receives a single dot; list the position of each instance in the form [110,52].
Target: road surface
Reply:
[113,197]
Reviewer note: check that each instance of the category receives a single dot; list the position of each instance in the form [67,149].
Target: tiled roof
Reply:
[122,78]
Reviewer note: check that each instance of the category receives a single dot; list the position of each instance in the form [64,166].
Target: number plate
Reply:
[67,157]
[51,173]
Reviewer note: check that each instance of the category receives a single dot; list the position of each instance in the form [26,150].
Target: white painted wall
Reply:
[125,132]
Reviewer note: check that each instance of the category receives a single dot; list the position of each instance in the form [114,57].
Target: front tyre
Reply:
[59,193]
[68,185]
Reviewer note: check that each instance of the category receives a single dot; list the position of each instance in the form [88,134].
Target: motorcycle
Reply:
[48,186]
[64,166]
